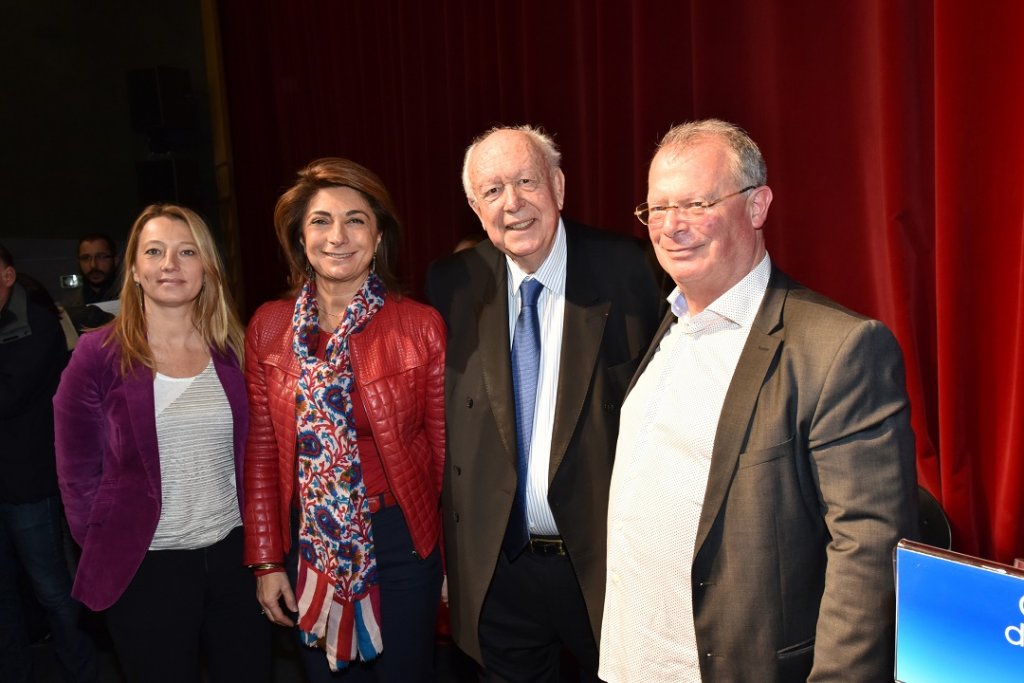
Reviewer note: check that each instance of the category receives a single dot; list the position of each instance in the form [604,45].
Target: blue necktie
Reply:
[525,367]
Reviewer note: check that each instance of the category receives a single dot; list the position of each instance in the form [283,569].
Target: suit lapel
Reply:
[492,333]
[138,388]
[583,326]
[762,344]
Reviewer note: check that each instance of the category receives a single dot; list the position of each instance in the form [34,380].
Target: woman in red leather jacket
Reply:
[346,442]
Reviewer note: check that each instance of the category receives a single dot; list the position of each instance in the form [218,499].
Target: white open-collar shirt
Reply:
[662,461]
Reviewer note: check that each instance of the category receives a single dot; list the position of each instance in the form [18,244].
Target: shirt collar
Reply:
[551,272]
[739,303]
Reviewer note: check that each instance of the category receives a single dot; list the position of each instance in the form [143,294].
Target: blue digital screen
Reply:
[957,618]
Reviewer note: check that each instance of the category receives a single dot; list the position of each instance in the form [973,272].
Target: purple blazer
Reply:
[108,463]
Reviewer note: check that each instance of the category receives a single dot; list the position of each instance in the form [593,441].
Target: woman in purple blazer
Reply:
[151,420]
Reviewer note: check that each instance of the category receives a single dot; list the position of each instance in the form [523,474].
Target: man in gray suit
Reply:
[525,504]
[765,464]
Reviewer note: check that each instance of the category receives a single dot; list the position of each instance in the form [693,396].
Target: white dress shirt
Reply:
[662,460]
[550,312]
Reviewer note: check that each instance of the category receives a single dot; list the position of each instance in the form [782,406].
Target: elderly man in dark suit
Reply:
[547,321]
[765,465]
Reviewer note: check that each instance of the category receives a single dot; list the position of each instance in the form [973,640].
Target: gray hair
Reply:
[541,140]
[747,164]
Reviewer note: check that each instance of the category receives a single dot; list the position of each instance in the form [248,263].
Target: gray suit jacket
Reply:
[611,311]
[812,483]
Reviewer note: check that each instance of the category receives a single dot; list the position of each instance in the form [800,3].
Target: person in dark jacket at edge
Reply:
[33,352]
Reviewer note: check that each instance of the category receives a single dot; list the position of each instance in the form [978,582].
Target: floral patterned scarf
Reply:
[338,585]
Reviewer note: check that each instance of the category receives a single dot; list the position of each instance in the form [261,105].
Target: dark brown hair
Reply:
[337,172]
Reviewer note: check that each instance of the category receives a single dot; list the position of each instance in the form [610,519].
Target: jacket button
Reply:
[609,407]
[458,470]
[455,516]
[469,402]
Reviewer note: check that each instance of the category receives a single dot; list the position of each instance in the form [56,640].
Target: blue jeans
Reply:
[31,534]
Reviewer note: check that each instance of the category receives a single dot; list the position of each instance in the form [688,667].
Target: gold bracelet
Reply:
[265,565]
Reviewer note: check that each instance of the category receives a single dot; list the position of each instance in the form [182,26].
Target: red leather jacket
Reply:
[398,361]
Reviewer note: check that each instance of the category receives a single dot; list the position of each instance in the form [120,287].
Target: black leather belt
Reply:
[546,545]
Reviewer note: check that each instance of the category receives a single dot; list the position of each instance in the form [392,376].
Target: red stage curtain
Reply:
[891,129]
[978,285]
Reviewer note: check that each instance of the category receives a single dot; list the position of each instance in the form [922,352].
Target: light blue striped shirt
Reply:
[551,312]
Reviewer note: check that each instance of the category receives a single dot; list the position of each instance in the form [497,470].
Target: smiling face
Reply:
[708,255]
[516,196]
[168,266]
[340,235]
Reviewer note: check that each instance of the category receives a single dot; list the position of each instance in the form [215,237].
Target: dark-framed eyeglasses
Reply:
[654,214]
[101,257]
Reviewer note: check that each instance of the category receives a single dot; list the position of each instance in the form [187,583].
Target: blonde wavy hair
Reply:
[213,311]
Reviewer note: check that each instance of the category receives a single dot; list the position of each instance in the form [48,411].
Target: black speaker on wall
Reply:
[162,107]
[168,180]
[160,96]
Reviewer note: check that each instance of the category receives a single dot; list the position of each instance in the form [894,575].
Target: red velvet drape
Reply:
[892,129]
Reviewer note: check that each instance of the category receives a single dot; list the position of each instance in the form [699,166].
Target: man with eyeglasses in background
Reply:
[97,259]
[101,282]
[765,465]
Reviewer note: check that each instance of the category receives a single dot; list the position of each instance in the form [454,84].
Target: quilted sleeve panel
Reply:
[435,412]
[270,447]
[399,362]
